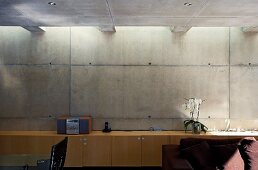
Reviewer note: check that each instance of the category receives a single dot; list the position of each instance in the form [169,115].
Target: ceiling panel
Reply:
[9,12]
[129,13]
[74,21]
[64,13]
[149,21]
[15,21]
[66,8]
[154,8]
[230,8]
[55,21]
[223,21]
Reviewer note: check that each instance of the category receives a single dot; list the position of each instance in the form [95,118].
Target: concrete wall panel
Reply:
[144,45]
[19,46]
[53,45]
[159,92]
[243,47]
[245,123]
[135,124]
[143,91]
[90,45]
[214,124]
[13,124]
[135,78]
[14,44]
[34,91]
[97,91]
[144,88]
[42,124]
[244,94]
[27,124]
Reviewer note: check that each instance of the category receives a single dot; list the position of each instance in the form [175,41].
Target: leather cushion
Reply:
[228,157]
[188,142]
[249,151]
[199,156]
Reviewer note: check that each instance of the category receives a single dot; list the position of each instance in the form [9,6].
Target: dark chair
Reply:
[57,159]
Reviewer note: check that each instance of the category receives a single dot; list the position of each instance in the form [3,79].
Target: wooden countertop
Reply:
[129,133]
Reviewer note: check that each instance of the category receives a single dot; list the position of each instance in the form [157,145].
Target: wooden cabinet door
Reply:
[97,151]
[152,150]
[31,145]
[74,152]
[14,145]
[126,151]
[40,144]
[18,150]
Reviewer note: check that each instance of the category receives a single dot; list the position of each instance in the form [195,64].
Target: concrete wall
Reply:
[136,78]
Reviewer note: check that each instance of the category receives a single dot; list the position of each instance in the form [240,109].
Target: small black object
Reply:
[25,167]
[106,129]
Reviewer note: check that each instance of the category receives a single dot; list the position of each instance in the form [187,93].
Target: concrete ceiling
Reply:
[129,13]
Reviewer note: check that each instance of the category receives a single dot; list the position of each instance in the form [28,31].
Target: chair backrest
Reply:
[58,154]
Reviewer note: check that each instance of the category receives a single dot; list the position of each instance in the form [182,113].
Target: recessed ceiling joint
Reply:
[34,29]
[180,29]
[250,29]
[107,28]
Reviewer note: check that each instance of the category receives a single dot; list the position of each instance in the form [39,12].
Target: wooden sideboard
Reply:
[118,148]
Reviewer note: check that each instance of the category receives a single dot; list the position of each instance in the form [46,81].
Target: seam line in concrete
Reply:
[124,65]
[111,65]
[229,72]
[70,72]
[34,64]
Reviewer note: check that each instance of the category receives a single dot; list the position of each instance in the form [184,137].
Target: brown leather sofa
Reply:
[172,159]
[178,157]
